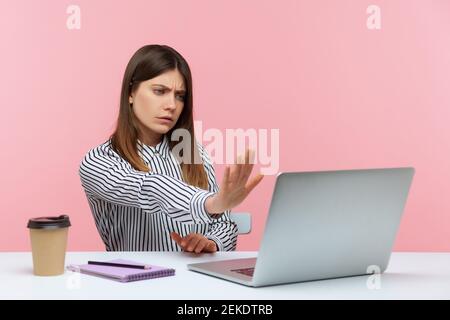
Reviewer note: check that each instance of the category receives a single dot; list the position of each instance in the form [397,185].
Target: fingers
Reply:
[226,176]
[201,245]
[253,183]
[205,245]
[211,247]
[239,168]
[235,172]
[176,237]
[236,176]
[243,166]
[247,167]
[181,241]
[194,242]
[185,241]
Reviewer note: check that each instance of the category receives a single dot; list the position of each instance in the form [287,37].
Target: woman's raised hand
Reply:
[235,186]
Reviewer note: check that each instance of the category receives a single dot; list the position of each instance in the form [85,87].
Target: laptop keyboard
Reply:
[245,271]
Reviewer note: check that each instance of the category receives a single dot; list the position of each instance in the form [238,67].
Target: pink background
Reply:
[342,96]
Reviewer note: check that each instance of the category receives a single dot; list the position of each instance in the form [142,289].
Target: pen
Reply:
[122,265]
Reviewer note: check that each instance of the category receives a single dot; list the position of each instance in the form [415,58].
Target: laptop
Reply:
[323,225]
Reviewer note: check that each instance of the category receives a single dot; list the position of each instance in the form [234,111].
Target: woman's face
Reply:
[157,105]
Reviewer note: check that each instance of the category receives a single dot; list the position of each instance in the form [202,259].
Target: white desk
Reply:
[409,276]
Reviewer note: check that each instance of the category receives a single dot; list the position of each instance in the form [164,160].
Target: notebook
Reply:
[122,274]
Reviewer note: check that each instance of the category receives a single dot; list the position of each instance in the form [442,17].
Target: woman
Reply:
[143,196]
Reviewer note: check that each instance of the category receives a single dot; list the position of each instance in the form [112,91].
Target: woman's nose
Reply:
[171,104]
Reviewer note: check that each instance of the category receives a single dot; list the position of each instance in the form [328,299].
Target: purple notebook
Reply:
[122,274]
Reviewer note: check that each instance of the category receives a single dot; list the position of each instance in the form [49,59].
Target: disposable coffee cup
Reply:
[48,237]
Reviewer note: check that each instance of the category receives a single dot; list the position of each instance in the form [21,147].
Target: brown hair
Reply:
[148,62]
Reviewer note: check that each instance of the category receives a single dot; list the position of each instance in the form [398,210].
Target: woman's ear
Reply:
[130,99]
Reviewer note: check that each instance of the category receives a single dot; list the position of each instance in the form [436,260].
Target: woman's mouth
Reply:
[164,119]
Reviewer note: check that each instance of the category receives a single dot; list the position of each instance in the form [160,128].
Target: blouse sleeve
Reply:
[106,175]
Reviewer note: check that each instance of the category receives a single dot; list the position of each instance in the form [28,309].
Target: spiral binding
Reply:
[151,275]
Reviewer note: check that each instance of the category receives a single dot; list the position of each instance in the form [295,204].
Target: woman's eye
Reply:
[161,91]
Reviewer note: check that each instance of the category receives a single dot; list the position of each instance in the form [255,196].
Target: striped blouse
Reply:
[137,211]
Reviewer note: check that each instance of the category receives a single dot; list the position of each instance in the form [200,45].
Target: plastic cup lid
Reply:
[62,221]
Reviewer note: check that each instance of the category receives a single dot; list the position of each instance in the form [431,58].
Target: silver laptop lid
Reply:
[331,224]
